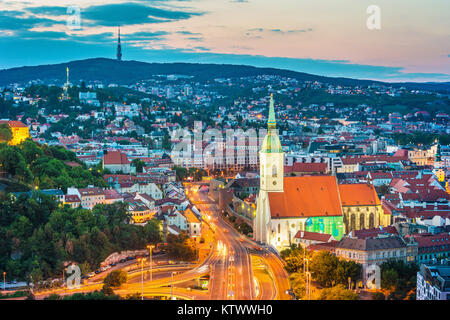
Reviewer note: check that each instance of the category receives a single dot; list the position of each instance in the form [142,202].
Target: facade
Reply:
[432,247]
[361,207]
[375,251]
[20,132]
[139,211]
[72,200]
[194,224]
[116,161]
[433,282]
[89,197]
[177,219]
[306,239]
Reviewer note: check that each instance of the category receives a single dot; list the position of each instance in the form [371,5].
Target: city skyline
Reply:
[322,38]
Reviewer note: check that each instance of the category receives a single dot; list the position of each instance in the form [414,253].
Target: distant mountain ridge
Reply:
[127,72]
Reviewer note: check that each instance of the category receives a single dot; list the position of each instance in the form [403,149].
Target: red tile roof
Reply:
[14,124]
[71,198]
[309,196]
[115,157]
[366,233]
[359,194]
[313,236]
[306,167]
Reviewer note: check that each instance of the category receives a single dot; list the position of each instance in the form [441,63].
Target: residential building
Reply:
[433,282]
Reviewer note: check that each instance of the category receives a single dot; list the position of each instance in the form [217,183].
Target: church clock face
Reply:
[274,183]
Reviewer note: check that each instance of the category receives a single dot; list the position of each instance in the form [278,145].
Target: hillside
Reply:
[126,72]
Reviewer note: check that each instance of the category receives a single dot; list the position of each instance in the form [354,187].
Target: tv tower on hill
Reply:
[119,48]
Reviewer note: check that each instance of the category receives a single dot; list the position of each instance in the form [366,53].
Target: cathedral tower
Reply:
[271,159]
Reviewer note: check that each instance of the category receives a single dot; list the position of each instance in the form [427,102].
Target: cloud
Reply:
[188,33]
[13,22]
[144,35]
[132,13]
[255,32]
[48,10]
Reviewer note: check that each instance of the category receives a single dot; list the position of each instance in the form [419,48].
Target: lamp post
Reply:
[151,247]
[141,261]
[4,281]
[171,286]
[308,279]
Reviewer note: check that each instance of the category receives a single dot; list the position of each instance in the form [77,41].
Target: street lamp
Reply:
[308,278]
[171,286]
[4,281]
[151,247]
[141,261]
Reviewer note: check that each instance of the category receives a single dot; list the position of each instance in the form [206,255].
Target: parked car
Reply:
[90,275]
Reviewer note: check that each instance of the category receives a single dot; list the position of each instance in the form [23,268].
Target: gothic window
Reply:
[278,228]
[274,171]
[371,221]
[362,224]
[353,222]
[262,170]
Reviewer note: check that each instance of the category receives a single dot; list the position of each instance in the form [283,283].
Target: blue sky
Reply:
[324,37]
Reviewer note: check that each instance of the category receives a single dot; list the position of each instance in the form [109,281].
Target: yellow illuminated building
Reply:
[19,131]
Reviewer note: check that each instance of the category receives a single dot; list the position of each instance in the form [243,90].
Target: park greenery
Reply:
[420,138]
[115,278]
[46,167]
[5,132]
[399,279]
[181,247]
[327,271]
[38,237]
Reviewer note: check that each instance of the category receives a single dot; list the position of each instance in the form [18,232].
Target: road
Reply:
[233,272]
[229,266]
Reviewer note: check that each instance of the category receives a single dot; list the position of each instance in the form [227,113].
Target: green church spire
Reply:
[271,143]
[271,123]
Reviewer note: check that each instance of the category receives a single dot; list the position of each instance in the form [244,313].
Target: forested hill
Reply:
[127,72]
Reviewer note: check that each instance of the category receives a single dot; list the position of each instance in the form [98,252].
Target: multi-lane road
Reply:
[232,276]
[228,264]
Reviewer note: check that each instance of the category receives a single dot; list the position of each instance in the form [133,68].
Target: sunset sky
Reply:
[324,37]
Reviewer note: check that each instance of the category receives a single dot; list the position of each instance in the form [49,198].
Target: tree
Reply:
[389,279]
[5,132]
[298,284]
[347,269]
[166,144]
[338,292]
[53,296]
[138,164]
[107,290]
[181,247]
[30,150]
[378,296]
[180,172]
[13,162]
[323,266]
[115,279]
[293,258]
